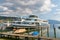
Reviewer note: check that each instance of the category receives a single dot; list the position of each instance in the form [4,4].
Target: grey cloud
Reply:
[24,7]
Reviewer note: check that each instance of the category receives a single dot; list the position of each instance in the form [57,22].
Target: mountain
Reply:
[54,22]
[8,18]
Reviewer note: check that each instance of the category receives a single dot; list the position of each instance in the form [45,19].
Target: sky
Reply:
[45,9]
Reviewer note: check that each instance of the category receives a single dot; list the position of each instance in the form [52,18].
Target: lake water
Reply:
[51,33]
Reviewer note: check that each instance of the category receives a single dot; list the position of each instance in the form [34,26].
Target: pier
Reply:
[30,37]
[25,37]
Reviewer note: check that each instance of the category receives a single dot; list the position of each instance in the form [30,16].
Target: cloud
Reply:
[58,9]
[56,15]
[24,7]
[25,2]
[2,8]
[57,12]
[7,4]
[8,12]
[27,11]
[28,3]
[47,6]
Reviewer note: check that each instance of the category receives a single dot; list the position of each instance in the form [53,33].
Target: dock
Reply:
[25,37]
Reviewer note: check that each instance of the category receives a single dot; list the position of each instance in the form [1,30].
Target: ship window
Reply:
[18,22]
[28,19]
[32,23]
[35,19]
[37,23]
[25,23]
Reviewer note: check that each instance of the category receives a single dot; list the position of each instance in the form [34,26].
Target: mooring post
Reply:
[47,31]
[54,31]
[41,31]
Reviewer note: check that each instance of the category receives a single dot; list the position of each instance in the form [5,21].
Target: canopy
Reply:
[20,31]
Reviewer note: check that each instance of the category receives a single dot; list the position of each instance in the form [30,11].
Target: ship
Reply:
[31,21]
[32,24]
